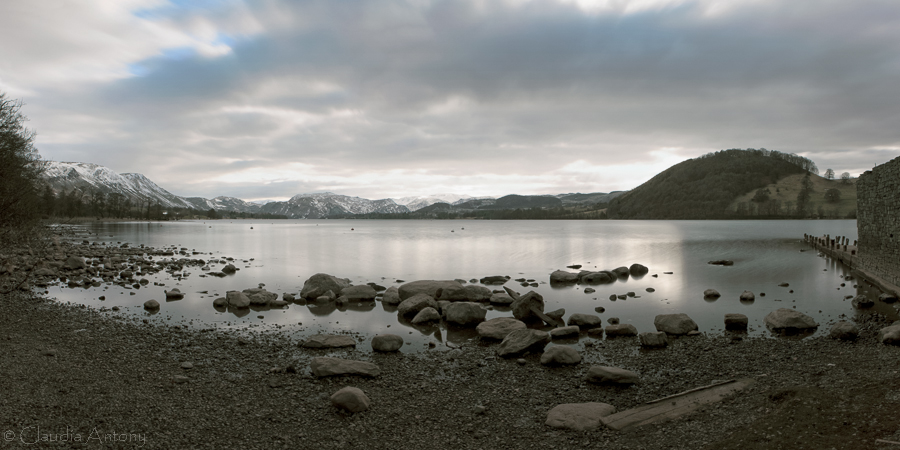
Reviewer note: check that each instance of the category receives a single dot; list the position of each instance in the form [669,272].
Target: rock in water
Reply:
[464,313]
[861,301]
[578,416]
[789,319]
[387,343]
[560,355]
[501,299]
[711,293]
[585,321]
[326,367]
[845,331]
[357,293]
[329,341]
[610,375]
[499,328]
[174,294]
[391,296]
[427,314]
[638,270]
[520,341]
[411,306]
[430,288]
[237,299]
[621,330]
[350,399]
[736,322]
[320,283]
[151,305]
[674,324]
[747,296]
[563,277]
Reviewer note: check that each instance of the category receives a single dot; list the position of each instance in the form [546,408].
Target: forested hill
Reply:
[704,187]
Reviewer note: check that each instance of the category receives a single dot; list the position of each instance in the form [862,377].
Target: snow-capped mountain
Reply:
[417,203]
[320,205]
[89,178]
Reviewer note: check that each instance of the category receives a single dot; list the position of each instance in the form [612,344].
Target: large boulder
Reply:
[610,375]
[563,277]
[260,296]
[464,313]
[621,272]
[329,341]
[451,293]
[357,293]
[391,296]
[522,308]
[498,328]
[320,283]
[890,335]
[845,331]
[585,321]
[501,299]
[387,343]
[412,305]
[477,293]
[578,416]
[520,341]
[560,355]
[784,319]
[621,330]
[429,287]
[674,324]
[598,277]
[638,270]
[237,299]
[350,399]
[426,315]
[326,367]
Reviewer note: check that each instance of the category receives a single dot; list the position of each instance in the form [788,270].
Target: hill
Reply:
[705,187]
[782,198]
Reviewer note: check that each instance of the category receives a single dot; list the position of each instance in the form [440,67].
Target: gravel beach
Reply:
[114,382]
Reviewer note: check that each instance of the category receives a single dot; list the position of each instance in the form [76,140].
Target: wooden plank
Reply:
[674,406]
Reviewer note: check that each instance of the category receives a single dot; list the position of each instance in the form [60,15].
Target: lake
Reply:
[283,254]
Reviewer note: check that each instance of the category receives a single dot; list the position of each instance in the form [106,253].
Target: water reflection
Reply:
[286,253]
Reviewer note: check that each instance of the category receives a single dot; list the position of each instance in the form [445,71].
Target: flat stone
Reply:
[520,341]
[653,339]
[498,328]
[560,355]
[610,375]
[350,399]
[565,332]
[789,319]
[578,416]
[356,293]
[326,367]
[329,341]
[621,330]
[585,321]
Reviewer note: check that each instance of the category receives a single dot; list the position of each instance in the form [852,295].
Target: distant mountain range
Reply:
[92,178]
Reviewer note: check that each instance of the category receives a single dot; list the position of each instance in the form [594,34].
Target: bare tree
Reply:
[829,174]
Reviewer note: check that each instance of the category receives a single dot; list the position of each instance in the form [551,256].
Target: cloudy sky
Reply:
[264,99]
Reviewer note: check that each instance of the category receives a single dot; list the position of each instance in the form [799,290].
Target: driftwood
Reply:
[674,406]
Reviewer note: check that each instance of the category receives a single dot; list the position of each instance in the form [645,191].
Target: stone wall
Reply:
[878,221]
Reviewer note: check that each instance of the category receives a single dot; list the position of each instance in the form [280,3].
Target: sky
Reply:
[265,99]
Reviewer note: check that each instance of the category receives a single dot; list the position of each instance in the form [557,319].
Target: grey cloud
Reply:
[817,79]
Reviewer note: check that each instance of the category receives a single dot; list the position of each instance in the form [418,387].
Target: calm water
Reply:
[285,253]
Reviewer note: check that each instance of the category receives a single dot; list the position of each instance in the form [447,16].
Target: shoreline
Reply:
[120,375]
[70,370]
